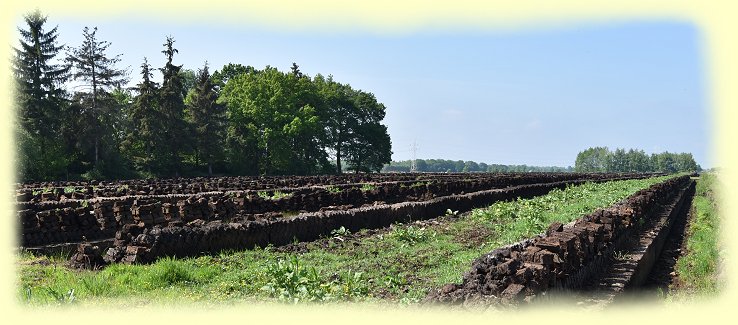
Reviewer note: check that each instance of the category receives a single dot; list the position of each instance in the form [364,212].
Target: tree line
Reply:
[238,120]
[460,166]
[601,159]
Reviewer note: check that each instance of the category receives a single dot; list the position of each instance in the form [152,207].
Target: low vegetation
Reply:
[698,269]
[397,264]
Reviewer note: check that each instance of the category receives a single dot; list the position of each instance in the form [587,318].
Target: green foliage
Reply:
[276,195]
[411,235]
[621,256]
[342,231]
[601,159]
[289,281]
[171,138]
[450,166]
[698,269]
[592,160]
[40,102]
[144,116]
[168,272]
[207,119]
[97,131]
[333,189]
[398,266]
[368,187]
[273,121]
[97,285]
[38,77]
[450,212]
[419,184]
[519,219]
[59,296]
[241,120]
[352,128]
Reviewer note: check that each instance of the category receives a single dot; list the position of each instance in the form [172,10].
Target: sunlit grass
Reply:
[697,270]
[398,265]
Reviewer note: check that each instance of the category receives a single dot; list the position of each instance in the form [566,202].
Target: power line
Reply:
[413,164]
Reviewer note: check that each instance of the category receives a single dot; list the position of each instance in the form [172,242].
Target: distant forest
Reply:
[460,166]
[598,159]
[601,159]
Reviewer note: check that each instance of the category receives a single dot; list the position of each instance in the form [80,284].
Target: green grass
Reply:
[697,270]
[274,196]
[333,189]
[518,219]
[398,265]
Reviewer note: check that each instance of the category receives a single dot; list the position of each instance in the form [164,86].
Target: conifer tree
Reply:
[144,117]
[207,118]
[171,106]
[97,70]
[40,99]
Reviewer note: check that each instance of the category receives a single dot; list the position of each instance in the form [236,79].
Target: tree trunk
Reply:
[338,159]
[96,152]
[338,153]
[210,169]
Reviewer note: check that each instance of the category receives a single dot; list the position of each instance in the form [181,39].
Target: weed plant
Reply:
[396,265]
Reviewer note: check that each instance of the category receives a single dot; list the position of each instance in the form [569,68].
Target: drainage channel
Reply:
[644,261]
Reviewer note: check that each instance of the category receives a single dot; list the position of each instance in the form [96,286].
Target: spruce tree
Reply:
[143,121]
[40,99]
[97,70]
[207,117]
[172,135]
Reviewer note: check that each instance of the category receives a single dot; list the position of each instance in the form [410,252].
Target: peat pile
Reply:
[563,257]
[53,222]
[137,243]
[77,190]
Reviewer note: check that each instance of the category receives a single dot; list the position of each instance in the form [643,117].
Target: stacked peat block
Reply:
[23,196]
[147,212]
[104,214]
[562,258]
[122,211]
[135,244]
[48,223]
[49,196]
[171,212]
[141,243]
[88,223]
[223,207]
[124,238]
[193,208]
[69,224]
[31,230]
[87,257]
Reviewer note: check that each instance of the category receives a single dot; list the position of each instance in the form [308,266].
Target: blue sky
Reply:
[533,96]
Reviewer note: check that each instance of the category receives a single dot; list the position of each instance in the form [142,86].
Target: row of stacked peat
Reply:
[84,190]
[53,222]
[563,257]
[137,243]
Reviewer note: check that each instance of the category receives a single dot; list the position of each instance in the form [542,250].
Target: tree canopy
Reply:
[239,120]
[601,159]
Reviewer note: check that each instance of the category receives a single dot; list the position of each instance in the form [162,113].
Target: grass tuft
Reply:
[396,265]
